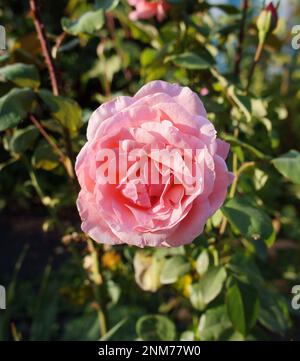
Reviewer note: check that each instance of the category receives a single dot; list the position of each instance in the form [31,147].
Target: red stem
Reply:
[40,29]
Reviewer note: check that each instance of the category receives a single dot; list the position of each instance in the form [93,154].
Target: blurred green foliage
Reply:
[234,282]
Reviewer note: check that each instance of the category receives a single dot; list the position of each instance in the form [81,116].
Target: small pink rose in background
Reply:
[133,209]
[145,9]
[203,92]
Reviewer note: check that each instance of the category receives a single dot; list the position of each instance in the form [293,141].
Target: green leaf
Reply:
[23,139]
[228,9]
[44,158]
[190,61]
[274,312]
[22,75]
[82,328]
[202,262]
[243,267]
[65,110]
[213,323]
[242,306]
[155,328]
[173,268]
[252,223]
[106,5]
[113,330]
[187,336]
[89,23]
[289,165]
[14,106]
[107,67]
[208,287]
[148,56]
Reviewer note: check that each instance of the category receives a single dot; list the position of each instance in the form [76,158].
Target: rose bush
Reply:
[134,210]
[236,279]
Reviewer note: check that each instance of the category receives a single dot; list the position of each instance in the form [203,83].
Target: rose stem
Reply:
[53,145]
[239,53]
[97,283]
[257,57]
[52,69]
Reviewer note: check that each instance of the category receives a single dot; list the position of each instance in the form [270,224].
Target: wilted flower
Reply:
[147,269]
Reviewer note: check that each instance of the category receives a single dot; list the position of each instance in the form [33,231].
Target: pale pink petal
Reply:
[223,179]
[105,111]
[222,148]
[191,226]
[92,222]
[184,96]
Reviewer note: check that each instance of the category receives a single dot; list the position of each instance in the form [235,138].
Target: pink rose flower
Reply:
[121,199]
[145,9]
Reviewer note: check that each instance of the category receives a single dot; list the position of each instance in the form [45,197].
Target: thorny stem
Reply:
[52,69]
[239,52]
[62,157]
[41,32]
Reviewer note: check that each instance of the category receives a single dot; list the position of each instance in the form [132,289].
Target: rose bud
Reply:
[267,21]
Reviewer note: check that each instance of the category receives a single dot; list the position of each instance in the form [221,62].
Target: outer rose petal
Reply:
[222,181]
[134,2]
[222,148]
[92,222]
[182,95]
[105,111]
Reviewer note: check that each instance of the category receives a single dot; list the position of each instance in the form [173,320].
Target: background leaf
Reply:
[89,23]
[252,223]
[155,328]
[22,75]
[208,287]
[173,268]
[190,61]
[289,165]
[23,139]
[63,109]
[242,306]
[14,107]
